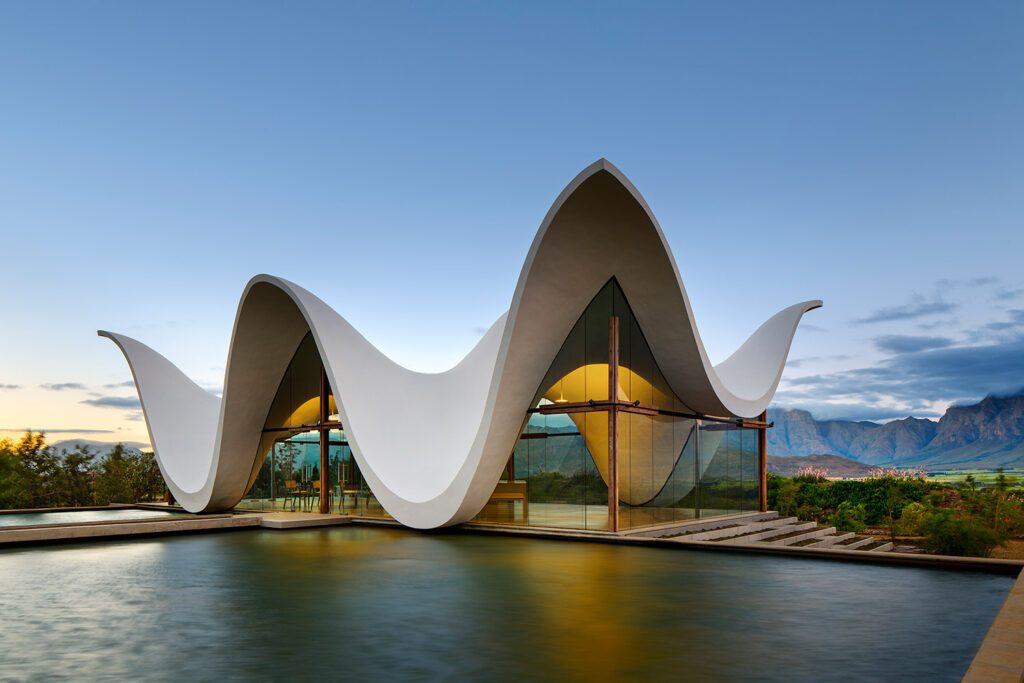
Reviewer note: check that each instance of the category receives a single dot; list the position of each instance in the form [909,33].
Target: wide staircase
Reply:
[771,529]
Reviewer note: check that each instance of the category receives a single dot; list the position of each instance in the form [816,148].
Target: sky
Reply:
[396,159]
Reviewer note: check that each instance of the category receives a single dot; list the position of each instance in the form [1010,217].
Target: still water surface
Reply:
[383,604]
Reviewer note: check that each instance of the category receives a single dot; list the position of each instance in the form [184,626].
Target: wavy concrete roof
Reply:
[599,227]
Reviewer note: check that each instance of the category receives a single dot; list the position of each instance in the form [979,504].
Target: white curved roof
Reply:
[433,458]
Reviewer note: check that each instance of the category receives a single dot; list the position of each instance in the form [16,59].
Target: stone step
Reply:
[884,548]
[770,533]
[856,544]
[830,541]
[815,533]
[708,525]
[728,532]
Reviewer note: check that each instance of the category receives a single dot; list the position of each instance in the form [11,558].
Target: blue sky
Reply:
[396,159]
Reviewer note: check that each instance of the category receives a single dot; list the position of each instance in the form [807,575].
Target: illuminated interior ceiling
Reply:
[639,435]
[432,447]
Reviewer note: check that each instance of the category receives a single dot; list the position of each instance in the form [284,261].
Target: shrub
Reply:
[810,512]
[848,517]
[785,497]
[911,519]
[949,535]
[811,473]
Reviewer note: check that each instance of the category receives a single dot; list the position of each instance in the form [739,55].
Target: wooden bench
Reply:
[512,491]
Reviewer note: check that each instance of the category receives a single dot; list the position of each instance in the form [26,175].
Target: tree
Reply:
[1002,487]
[112,479]
[31,469]
[33,475]
[74,477]
[127,477]
[946,534]
[911,519]
[848,517]
[10,476]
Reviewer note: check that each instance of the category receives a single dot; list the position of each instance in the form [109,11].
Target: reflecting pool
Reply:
[390,604]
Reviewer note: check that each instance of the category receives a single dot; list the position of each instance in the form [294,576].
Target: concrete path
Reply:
[1001,655]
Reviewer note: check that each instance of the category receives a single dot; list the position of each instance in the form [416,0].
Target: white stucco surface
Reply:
[435,461]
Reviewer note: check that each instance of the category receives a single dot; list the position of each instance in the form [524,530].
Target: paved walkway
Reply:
[1001,655]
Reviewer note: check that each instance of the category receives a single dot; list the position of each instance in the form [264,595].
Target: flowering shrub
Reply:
[811,472]
[897,473]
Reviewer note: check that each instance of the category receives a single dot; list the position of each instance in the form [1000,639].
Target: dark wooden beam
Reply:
[637,407]
[613,423]
[762,464]
[325,434]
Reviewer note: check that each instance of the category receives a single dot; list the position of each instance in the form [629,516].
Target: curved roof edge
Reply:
[599,227]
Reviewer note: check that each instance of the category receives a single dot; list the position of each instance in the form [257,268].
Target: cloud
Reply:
[1007,294]
[999,330]
[62,430]
[799,362]
[903,343]
[120,385]
[917,378]
[122,402]
[9,387]
[918,308]
[1015,321]
[985,281]
[64,386]
[946,323]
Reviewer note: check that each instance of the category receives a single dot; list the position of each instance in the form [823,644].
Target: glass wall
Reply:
[552,478]
[657,460]
[287,476]
[350,494]
[672,464]
[730,480]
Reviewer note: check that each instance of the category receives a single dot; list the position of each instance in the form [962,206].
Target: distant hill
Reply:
[987,434]
[101,448]
[837,466]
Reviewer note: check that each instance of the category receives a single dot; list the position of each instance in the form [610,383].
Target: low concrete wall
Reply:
[1001,655]
[90,530]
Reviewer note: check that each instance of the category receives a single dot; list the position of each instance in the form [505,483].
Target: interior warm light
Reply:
[334,417]
[561,398]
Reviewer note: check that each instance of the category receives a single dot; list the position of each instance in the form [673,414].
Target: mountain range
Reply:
[100,448]
[984,435]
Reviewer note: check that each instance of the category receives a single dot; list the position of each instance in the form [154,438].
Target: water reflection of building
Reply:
[590,405]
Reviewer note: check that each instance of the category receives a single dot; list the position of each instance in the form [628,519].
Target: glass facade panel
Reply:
[656,469]
[288,477]
[553,480]
[751,473]
[730,480]
[671,465]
